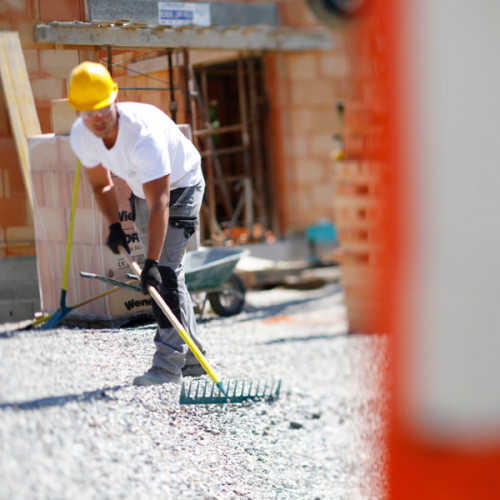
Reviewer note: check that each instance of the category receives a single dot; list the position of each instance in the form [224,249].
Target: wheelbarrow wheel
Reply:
[231,299]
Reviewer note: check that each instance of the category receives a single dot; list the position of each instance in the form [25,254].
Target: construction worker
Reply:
[142,145]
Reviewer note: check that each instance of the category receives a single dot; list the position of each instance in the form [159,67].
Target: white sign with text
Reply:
[183,14]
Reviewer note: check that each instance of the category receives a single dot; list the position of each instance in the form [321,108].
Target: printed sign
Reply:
[183,14]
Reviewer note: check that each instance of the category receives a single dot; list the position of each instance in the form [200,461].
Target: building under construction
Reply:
[259,83]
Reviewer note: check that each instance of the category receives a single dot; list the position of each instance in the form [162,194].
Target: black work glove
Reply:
[117,238]
[150,275]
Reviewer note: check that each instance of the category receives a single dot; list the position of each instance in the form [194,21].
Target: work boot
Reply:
[195,370]
[156,375]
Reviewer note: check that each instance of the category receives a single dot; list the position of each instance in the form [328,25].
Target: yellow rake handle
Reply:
[175,322]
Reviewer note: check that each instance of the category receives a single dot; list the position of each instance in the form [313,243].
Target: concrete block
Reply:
[20,234]
[32,63]
[19,293]
[302,120]
[321,143]
[38,192]
[26,31]
[67,160]
[51,224]
[62,116]
[58,63]
[63,10]
[87,227]
[299,147]
[308,171]
[337,66]
[312,93]
[302,66]
[43,153]
[47,89]
[15,9]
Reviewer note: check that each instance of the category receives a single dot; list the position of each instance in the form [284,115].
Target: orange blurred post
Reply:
[438,447]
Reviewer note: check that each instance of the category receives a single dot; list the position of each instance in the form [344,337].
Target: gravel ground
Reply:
[73,427]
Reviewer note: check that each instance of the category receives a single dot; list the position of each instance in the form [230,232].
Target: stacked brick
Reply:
[361,233]
[16,224]
[53,173]
[303,92]
[362,187]
[48,71]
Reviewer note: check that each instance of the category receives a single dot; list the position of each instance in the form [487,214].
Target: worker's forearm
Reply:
[157,230]
[108,203]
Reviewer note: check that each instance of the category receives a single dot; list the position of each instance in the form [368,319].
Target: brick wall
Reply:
[304,90]
[48,70]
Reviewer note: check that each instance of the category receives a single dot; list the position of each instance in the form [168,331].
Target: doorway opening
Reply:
[230,126]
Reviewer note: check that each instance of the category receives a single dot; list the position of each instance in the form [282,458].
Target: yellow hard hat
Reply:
[91,87]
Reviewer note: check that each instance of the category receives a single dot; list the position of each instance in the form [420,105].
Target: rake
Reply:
[201,391]
[204,392]
[64,310]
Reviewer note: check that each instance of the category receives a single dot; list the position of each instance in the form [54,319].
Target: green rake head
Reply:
[203,392]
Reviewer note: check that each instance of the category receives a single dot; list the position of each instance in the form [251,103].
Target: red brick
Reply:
[26,30]
[38,192]
[46,89]
[43,153]
[8,153]
[20,9]
[302,66]
[57,63]
[20,234]
[52,223]
[62,10]
[20,250]
[5,128]
[44,118]
[13,211]
[296,14]
[16,186]
[32,62]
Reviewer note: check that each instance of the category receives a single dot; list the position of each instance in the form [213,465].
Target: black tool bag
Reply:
[187,223]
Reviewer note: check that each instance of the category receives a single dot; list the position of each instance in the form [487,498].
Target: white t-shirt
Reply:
[149,145]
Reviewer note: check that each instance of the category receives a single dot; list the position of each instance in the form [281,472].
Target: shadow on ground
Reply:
[88,397]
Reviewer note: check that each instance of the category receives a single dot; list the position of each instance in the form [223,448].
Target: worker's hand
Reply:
[117,238]
[150,275]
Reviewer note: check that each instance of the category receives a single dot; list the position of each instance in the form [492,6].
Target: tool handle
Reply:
[172,318]
[84,274]
[69,239]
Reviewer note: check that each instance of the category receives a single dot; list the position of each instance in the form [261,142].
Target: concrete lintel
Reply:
[211,38]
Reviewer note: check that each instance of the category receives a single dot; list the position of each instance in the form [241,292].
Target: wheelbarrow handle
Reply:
[175,322]
[129,285]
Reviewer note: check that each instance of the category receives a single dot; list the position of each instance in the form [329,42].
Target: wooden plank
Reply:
[223,151]
[218,131]
[258,164]
[19,99]
[245,140]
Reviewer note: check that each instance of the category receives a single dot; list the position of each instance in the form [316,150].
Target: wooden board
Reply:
[19,99]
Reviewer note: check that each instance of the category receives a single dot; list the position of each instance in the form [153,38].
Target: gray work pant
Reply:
[172,353]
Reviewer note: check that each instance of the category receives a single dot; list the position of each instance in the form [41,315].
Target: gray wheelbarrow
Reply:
[210,271]
[210,274]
